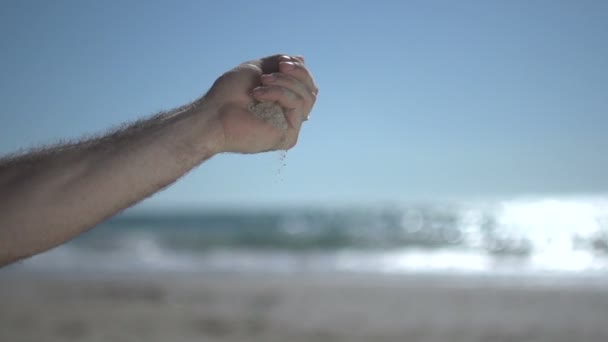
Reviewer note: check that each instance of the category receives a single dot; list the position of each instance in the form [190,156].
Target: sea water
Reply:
[532,236]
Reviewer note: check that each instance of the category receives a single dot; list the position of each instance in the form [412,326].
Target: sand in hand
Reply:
[270,112]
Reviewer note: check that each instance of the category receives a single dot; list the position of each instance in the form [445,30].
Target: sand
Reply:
[271,112]
[296,308]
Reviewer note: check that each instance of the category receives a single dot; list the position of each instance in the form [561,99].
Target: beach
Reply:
[518,270]
[299,307]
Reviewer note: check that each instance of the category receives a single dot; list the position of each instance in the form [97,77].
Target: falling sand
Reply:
[270,112]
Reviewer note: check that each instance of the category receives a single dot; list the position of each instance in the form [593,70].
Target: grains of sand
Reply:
[270,112]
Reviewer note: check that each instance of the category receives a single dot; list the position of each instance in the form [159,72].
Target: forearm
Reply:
[50,196]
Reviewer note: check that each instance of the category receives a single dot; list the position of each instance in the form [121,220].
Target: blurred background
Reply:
[456,151]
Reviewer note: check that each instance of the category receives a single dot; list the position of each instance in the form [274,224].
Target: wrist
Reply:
[201,128]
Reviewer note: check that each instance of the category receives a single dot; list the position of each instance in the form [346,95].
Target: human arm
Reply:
[51,195]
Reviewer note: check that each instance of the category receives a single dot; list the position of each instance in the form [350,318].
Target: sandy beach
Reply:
[170,307]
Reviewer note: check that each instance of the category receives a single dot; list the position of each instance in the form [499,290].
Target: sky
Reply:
[418,99]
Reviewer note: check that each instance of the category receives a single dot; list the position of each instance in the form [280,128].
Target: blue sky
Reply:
[419,99]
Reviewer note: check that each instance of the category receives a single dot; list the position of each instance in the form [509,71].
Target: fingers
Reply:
[294,66]
[294,105]
[291,83]
[285,97]
[290,65]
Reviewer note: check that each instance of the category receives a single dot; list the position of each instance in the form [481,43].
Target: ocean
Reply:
[563,236]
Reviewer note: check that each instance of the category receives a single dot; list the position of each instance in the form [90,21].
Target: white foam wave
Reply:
[534,236]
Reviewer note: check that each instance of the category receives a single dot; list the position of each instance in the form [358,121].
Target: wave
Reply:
[537,235]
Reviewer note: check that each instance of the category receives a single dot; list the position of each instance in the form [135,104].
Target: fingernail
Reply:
[268,78]
[288,66]
[257,90]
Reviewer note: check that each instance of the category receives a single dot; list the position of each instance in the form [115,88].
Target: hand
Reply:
[282,79]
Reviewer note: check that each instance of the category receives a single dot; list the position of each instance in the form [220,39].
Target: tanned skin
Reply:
[52,194]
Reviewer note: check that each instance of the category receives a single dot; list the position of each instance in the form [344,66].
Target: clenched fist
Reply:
[280,79]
